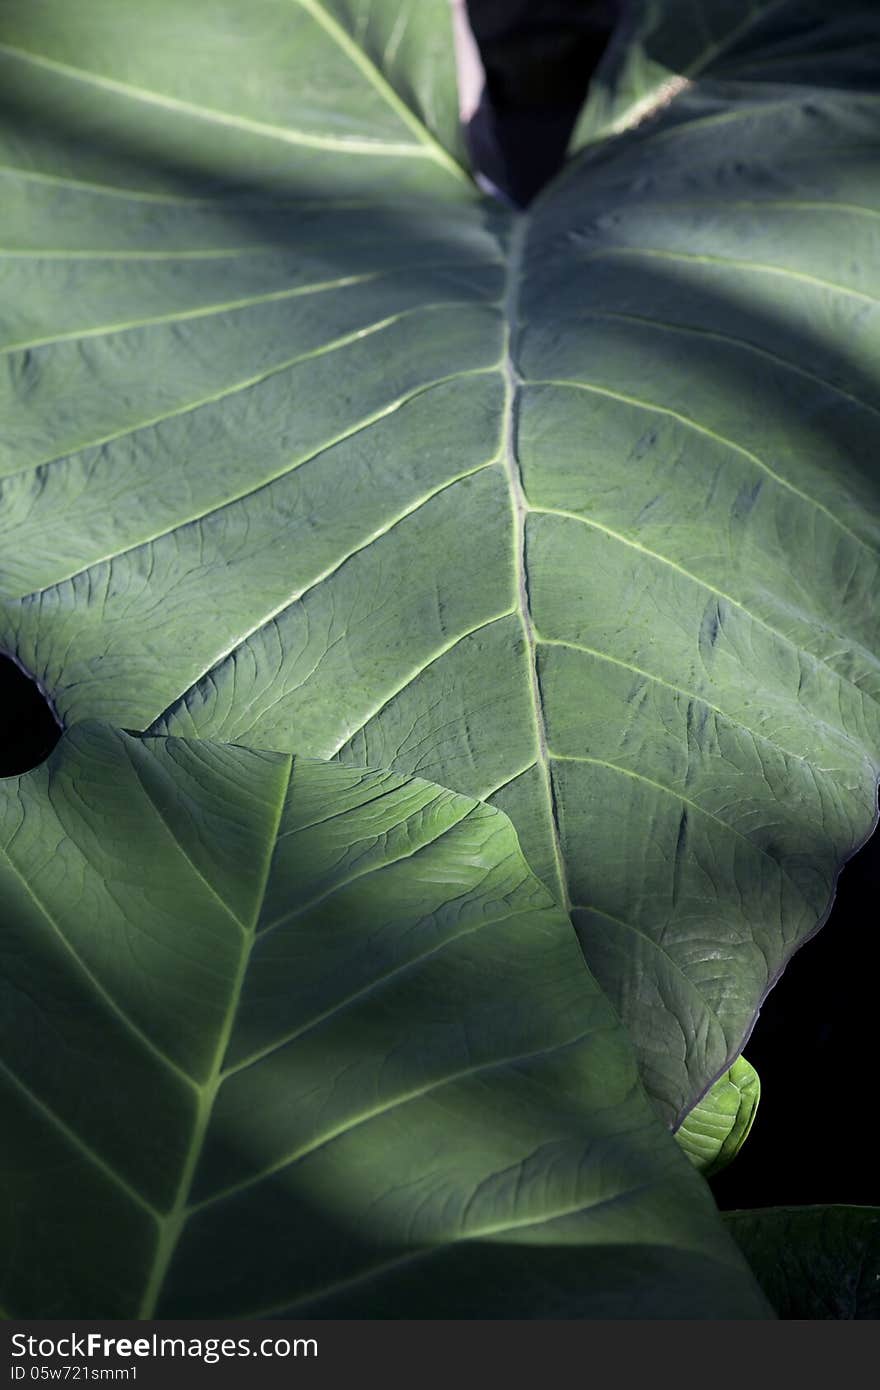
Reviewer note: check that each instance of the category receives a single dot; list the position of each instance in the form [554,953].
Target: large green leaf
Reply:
[285,1036]
[575,512]
[814,1262]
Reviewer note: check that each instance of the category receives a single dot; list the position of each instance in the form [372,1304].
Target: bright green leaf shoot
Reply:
[719,1124]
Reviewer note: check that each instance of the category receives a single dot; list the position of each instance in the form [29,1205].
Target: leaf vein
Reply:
[118,1012]
[710,588]
[367,1116]
[263,129]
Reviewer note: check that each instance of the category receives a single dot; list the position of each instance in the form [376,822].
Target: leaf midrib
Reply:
[519,511]
[171,1225]
[520,508]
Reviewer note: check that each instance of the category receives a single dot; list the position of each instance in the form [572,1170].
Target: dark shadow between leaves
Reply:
[812,1046]
[30,729]
[538,61]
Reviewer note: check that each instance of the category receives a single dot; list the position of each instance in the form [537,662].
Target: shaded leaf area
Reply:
[574,513]
[284,1037]
[766,46]
[814,1262]
[718,1126]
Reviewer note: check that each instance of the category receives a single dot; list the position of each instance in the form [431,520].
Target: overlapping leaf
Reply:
[283,1036]
[308,446]
[665,45]
[716,1129]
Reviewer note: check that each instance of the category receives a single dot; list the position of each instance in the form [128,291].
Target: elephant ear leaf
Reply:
[814,1262]
[307,446]
[717,1127]
[281,1036]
